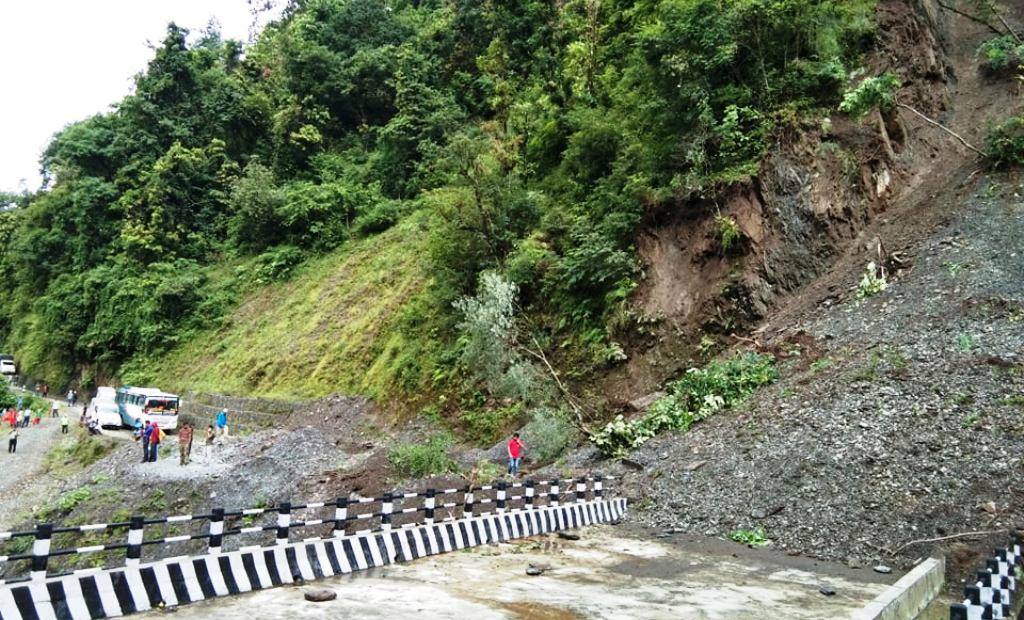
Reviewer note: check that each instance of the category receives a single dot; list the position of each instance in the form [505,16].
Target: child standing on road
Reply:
[64,424]
[208,448]
[12,441]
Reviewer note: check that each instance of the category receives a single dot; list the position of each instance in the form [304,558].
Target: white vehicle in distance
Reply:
[106,393]
[105,413]
[7,366]
[147,405]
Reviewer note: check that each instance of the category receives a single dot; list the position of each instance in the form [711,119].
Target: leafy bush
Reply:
[423,459]
[489,424]
[548,434]
[727,231]
[276,264]
[756,537]
[379,217]
[77,451]
[1001,55]
[872,283]
[873,92]
[696,395]
[1005,143]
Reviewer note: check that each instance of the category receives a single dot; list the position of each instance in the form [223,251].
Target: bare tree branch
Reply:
[943,128]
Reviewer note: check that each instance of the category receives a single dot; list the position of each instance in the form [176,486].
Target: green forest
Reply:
[474,171]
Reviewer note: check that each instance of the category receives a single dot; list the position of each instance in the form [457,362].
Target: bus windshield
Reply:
[169,405]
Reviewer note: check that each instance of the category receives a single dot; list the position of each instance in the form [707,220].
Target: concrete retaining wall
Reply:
[907,598]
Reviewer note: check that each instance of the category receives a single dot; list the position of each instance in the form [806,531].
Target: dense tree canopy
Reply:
[536,135]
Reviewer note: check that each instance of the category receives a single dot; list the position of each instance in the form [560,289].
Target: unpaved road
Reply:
[23,485]
[607,574]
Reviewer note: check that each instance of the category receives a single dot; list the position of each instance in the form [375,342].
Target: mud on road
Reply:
[609,573]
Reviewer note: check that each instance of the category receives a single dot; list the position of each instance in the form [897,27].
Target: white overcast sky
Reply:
[65,60]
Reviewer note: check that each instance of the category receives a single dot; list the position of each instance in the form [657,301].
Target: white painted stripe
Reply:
[41,601]
[408,495]
[163,581]
[8,608]
[261,569]
[339,552]
[323,559]
[182,538]
[431,540]
[446,542]
[315,505]
[178,518]
[357,549]
[250,530]
[74,598]
[283,570]
[92,549]
[137,588]
[238,572]
[195,593]
[94,526]
[107,597]
[253,511]
[313,522]
[389,545]
[417,539]
[459,541]
[403,543]
[305,568]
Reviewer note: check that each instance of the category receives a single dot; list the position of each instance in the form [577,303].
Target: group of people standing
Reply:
[150,435]
[17,418]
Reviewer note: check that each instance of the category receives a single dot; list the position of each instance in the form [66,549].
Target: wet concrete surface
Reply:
[609,573]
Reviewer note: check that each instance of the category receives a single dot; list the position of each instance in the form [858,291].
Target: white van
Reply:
[7,366]
[104,408]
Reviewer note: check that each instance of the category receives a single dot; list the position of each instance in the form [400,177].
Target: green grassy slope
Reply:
[334,327]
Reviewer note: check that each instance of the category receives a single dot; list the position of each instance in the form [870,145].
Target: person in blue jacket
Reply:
[222,423]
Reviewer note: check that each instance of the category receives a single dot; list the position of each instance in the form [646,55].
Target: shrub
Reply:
[872,283]
[1001,55]
[77,451]
[756,537]
[548,434]
[1005,143]
[873,92]
[379,217]
[696,395]
[727,231]
[276,264]
[417,460]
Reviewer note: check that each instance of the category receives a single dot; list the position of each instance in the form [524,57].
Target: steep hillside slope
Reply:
[333,327]
[897,417]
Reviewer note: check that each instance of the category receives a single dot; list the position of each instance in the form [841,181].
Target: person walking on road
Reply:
[12,441]
[515,454]
[64,424]
[54,409]
[185,443]
[26,416]
[222,423]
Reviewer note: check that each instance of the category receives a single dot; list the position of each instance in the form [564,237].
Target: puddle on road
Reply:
[607,574]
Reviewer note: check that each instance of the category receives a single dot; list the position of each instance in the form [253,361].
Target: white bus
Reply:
[148,405]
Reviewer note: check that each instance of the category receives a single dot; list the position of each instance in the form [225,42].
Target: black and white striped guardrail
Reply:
[139,586]
[992,594]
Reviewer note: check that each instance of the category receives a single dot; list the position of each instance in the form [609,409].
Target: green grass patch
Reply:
[756,537]
[340,324]
[77,451]
[417,460]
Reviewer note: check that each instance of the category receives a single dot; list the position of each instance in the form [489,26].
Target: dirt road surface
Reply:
[23,485]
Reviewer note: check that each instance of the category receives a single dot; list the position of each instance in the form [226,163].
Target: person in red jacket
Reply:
[515,454]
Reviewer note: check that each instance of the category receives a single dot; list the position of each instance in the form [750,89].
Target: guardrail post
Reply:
[284,521]
[428,506]
[528,499]
[340,517]
[41,551]
[467,509]
[502,486]
[598,486]
[134,552]
[216,530]
[581,490]
[386,508]
[553,493]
